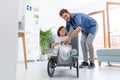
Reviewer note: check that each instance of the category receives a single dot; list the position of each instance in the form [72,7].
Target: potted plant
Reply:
[44,41]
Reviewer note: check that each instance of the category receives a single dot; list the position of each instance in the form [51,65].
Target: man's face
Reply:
[66,16]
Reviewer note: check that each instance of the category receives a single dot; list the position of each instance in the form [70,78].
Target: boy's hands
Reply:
[63,41]
[53,45]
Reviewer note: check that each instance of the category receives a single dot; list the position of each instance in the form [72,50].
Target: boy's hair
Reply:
[63,11]
[58,32]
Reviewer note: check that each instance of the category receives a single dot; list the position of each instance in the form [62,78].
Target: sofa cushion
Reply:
[108,52]
[109,58]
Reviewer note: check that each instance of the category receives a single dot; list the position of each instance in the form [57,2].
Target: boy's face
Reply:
[62,32]
[66,16]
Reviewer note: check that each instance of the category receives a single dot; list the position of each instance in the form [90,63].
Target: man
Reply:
[88,27]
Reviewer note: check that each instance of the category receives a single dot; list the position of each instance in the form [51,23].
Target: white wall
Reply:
[8,39]
[31,30]
[113,0]
[21,10]
[49,15]
[93,6]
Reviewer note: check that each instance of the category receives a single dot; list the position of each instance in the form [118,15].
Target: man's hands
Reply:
[72,35]
[67,41]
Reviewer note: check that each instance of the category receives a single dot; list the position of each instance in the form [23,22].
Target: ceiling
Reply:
[69,4]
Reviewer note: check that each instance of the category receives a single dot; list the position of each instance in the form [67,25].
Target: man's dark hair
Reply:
[58,32]
[63,11]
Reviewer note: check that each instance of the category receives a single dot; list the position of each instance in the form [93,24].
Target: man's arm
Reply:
[75,32]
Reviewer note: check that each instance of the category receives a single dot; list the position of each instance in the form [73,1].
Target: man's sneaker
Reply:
[84,64]
[91,66]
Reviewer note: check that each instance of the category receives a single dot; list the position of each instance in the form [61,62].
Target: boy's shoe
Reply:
[84,64]
[91,66]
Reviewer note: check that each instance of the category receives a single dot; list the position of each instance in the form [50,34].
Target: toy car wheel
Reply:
[51,67]
[77,67]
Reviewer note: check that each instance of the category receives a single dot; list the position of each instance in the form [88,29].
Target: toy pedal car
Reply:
[57,61]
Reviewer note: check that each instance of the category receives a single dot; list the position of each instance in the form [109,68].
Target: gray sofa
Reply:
[108,55]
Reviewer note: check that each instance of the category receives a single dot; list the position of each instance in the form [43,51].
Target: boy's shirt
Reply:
[59,39]
[64,49]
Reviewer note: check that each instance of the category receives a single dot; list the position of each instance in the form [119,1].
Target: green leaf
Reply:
[44,39]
